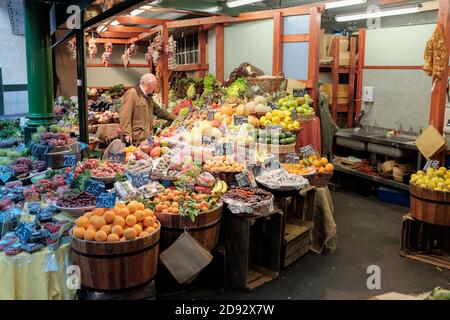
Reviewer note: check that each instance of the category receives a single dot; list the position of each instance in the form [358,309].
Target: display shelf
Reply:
[388,182]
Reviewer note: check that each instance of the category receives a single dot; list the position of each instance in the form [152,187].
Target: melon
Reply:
[251,106]
[260,100]
[226,109]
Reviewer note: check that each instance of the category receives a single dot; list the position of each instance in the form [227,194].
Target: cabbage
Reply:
[190,93]
[208,82]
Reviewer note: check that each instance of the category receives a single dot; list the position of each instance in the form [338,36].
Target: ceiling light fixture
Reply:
[343,3]
[238,3]
[146,7]
[378,14]
[136,12]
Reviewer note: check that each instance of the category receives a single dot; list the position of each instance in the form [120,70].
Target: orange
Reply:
[140,206]
[82,222]
[89,235]
[329,168]
[140,215]
[109,216]
[159,208]
[143,234]
[165,211]
[140,224]
[123,239]
[113,238]
[119,221]
[107,229]
[130,234]
[132,206]
[324,161]
[91,227]
[98,211]
[98,222]
[155,225]
[88,214]
[78,232]
[148,212]
[120,205]
[148,221]
[174,210]
[138,228]
[101,236]
[131,220]
[321,170]
[150,230]
[316,163]
[118,230]
[124,212]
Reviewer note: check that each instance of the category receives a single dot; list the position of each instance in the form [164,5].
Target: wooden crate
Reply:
[253,248]
[425,242]
[297,240]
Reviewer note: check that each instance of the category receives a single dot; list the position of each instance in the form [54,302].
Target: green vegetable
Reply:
[190,93]
[208,82]
[237,88]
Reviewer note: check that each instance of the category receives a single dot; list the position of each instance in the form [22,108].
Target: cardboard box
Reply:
[431,142]
[344,58]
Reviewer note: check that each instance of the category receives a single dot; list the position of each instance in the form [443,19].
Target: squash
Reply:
[260,108]
[226,109]
[251,106]
[260,99]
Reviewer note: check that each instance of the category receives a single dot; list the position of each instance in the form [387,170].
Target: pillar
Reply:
[39,64]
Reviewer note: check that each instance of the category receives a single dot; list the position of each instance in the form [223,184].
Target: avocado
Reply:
[288,134]
[290,140]
[283,141]
[283,135]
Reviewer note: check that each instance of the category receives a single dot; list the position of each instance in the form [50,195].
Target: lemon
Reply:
[276,119]
[421,173]
[431,185]
[276,113]
[423,185]
[438,189]
[291,127]
[269,116]
[284,125]
[287,120]
[263,119]
[296,124]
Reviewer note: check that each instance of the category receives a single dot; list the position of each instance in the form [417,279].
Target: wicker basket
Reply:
[319,179]
[305,117]
[277,149]
[256,71]
[269,85]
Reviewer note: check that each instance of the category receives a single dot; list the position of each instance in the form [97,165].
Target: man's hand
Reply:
[128,139]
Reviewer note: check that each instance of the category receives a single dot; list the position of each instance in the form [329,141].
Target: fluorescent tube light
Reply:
[239,3]
[378,14]
[136,12]
[115,23]
[145,7]
[211,9]
[343,3]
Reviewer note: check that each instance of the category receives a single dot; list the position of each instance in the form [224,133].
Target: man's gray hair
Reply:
[148,78]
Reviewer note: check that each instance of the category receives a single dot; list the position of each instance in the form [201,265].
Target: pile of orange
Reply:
[171,201]
[320,164]
[123,222]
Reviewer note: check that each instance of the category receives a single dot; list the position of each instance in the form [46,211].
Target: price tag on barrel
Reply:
[291,158]
[139,179]
[5,174]
[69,178]
[150,142]
[116,156]
[242,180]
[431,164]
[95,187]
[238,120]
[106,200]
[70,160]
[307,151]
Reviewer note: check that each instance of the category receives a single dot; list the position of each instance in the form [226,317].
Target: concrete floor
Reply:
[368,234]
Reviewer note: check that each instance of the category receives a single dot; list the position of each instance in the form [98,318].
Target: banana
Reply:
[217,187]
[224,187]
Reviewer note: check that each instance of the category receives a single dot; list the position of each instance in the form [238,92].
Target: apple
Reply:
[156,152]
[156,142]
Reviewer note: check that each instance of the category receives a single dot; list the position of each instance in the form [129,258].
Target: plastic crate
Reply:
[393,196]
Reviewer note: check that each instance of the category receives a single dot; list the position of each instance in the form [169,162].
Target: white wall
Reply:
[211,51]
[12,64]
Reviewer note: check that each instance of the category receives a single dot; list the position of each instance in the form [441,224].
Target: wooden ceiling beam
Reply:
[113,41]
[113,34]
[127,29]
[193,12]
[144,35]
[140,20]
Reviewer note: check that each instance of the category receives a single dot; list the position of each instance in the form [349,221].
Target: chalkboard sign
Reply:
[431,164]
[95,187]
[291,158]
[272,163]
[207,140]
[150,141]
[256,170]
[240,120]
[242,180]
[272,105]
[116,156]
[24,231]
[5,174]
[211,114]
[106,200]
[140,179]
[307,151]
[70,160]
[298,92]
[294,113]
[223,148]
[69,178]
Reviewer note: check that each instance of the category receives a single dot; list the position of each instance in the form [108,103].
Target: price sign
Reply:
[240,120]
[256,170]
[28,218]
[150,141]
[82,146]
[298,92]
[106,200]
[211,114]
[140,179]
[223,148]
[250,176]
[24,231]
[294,113]
[291,158]
[272,163]
[70,160]
[95,187]
[306,151]
[208,140]
[69,178]
[5,174]
[431,164]
[272,105]
[242,180]
[117,156]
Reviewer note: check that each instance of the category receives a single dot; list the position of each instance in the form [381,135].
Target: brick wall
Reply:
[12,64]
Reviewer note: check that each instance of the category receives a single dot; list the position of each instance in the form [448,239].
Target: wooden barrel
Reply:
[116,265]
[205,228]
[430,206]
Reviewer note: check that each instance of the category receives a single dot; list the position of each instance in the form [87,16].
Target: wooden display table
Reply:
[253,248]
